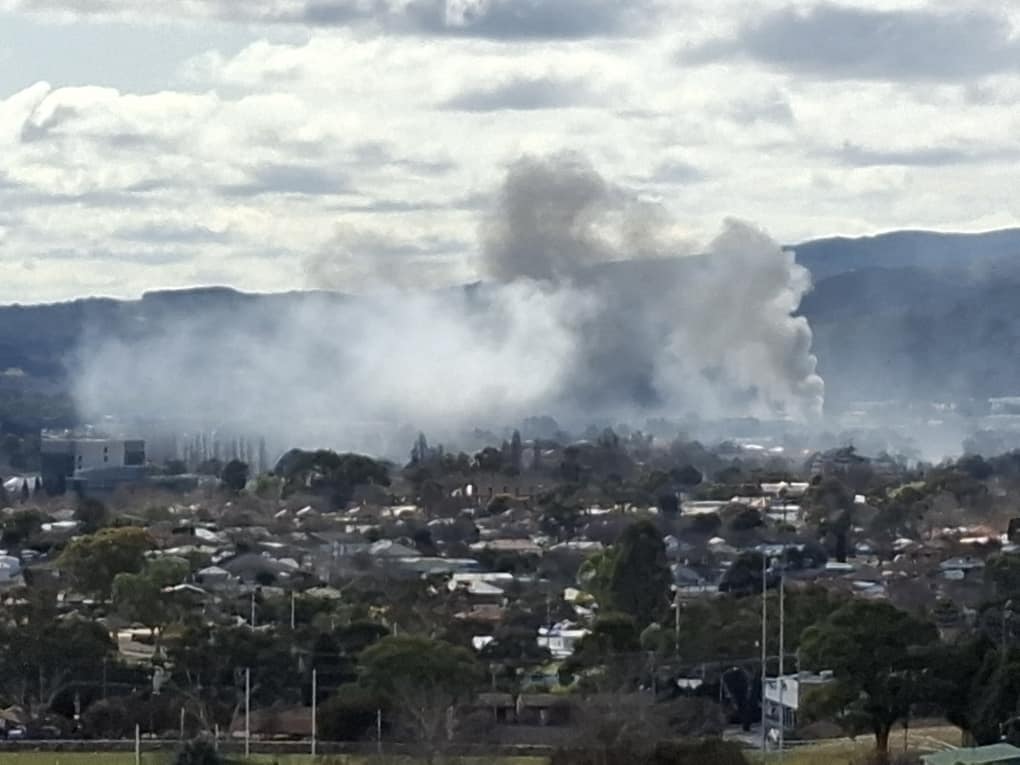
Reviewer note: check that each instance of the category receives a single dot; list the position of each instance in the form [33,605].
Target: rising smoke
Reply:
[582,312]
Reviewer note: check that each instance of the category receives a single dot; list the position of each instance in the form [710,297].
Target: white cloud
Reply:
[251,162]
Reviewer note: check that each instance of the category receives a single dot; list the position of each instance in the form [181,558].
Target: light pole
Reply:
[782,648]
[315,722]
[676,621]
[247,712]
[764,648]
[1007,616]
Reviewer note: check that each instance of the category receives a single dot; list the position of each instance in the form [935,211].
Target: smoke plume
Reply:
[589,307]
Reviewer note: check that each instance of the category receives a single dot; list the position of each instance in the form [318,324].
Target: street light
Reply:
[1007,616]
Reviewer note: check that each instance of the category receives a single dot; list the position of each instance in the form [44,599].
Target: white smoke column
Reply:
[582,317]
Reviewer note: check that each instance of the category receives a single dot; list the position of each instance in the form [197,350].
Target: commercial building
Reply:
[76,463]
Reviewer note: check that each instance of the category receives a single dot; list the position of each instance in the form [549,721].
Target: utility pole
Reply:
[251,621]
[247,712]
[1007,615]
[676,621]
[764,648]
[782,649]
[315,694]
[293,600]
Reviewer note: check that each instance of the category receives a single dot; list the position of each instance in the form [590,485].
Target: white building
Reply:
[784,696]
[560,639]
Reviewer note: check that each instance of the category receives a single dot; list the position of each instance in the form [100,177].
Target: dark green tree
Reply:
[235,475]
[20,527]
[91,514]
[1002,573]
[872,648]
[687,476]
[641,580]
[91,562]
[489,460]
[198,752]
[329,474]
[422,680]
[516,453]
[350,713]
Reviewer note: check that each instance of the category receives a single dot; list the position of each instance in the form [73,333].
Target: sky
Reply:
[287,144]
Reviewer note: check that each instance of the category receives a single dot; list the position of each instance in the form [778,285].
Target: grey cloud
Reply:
[290,179]
[360,259]
[155,257]
[376,153]
[39,130]
[677,171]
[165,233]
[492,19]
[522,94]
[927,156]
[26,196]
[844,42]
[540,19]
[471,202]
[773,109]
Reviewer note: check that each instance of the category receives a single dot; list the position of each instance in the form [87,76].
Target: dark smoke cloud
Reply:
[580,314]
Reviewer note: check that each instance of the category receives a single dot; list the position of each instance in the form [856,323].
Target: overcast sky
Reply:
[164,143]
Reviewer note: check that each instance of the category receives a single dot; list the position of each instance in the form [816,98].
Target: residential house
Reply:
[561,638]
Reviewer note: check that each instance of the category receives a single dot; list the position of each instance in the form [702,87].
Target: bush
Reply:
[696,752]
[108,718]
[746,519]
[198,752]
[705,523]
[875,758]
[350,714]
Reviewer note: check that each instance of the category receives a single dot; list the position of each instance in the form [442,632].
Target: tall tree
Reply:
[516,453]
[140,597]
[91,514]
[872,650]
[91,562]
[235,475]
[640,581]
[423,680]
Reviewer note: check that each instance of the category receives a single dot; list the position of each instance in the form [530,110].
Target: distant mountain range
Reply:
[899,315]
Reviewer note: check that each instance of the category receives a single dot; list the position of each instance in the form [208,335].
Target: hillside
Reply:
[900,315]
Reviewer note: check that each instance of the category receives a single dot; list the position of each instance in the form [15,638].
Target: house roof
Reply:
[1004,754]
[387,548]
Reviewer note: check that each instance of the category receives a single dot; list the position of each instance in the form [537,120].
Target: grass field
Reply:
[149,758]
[923,739]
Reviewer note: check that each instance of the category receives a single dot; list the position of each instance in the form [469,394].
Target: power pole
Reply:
[676,622]
[782,648]
[315,692]
[764,648]
[247,712]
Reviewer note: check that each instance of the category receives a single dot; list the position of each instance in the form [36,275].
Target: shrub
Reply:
[198,752]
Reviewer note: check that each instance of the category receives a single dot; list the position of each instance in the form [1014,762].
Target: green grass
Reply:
[165,758]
